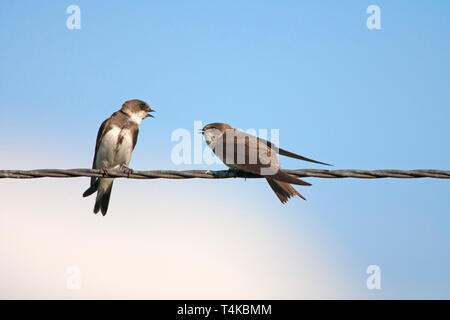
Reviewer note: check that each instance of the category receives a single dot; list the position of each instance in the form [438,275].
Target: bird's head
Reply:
[137,110]
[213,131]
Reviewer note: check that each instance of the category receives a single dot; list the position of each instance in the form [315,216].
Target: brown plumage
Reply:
[102,203]
[283,190]
[116,140]
[254,155]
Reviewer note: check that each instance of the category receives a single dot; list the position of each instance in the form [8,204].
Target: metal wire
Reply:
[222,174]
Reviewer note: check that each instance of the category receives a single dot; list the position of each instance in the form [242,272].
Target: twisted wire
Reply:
[221,174]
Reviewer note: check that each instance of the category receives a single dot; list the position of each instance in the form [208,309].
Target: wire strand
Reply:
[221,174]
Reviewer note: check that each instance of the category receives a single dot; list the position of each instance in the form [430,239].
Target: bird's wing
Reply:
[290,154]
[135,136]
[104,128]
[248,153]
[252,155]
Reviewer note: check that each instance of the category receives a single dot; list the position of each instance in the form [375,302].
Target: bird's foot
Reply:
[124,168]
[105,171]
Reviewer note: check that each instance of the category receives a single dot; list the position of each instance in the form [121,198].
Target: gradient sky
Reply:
[338,93]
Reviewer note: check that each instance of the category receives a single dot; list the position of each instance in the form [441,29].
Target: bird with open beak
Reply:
[241,151]
[116,140]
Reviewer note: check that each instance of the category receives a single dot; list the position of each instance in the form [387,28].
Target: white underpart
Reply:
[209,137]
[109,155]
[137,117]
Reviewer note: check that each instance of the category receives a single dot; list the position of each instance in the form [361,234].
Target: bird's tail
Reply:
[282,175]
[91,189]
[283,190]
[103,195]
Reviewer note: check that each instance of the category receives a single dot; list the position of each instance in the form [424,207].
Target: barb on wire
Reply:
[221,174]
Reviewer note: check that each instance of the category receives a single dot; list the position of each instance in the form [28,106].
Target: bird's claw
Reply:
[105,171]
[124,168]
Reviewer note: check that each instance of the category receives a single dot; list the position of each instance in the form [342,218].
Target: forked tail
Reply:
[283,190]
[103,195]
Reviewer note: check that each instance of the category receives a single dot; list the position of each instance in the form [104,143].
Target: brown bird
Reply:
[241,151]
[116,140]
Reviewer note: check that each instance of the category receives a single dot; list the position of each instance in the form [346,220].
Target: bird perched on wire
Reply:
[116,140]
[241,151]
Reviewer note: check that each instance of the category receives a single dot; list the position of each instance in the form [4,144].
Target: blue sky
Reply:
[338,92]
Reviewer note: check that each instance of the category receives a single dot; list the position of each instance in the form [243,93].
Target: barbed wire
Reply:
[221,174]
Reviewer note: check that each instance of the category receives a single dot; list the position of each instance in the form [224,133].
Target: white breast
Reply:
[210,138]
[136,118]
[123,151]
[110,154]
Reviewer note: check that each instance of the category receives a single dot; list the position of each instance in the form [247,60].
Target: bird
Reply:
[116,140]
[254,155]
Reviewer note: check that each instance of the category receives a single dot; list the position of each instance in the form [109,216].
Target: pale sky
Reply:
[337,92]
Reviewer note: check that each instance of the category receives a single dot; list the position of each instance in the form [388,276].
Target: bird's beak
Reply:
[150,115]
[201,131]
